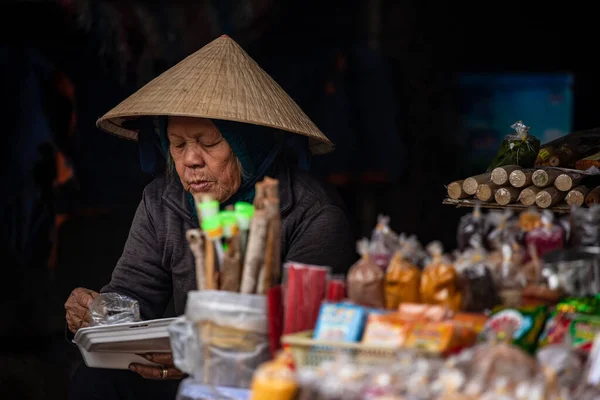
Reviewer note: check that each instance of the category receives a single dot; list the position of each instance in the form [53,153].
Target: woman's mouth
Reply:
[199,186]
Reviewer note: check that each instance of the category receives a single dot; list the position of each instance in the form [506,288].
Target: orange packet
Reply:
[402,281]
[423,312]
[386,330]
[440,337]
[474,321]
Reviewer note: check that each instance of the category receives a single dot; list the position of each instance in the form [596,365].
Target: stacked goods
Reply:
[237,250]
[494,319]
[543,187]
[558,175]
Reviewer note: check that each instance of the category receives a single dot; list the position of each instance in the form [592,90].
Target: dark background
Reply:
[378,77]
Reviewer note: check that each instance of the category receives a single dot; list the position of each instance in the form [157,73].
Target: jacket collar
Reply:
[177,200]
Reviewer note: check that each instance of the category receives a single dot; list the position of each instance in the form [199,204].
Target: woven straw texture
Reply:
[219,81]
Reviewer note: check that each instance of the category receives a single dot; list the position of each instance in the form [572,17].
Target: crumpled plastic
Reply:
[113,308]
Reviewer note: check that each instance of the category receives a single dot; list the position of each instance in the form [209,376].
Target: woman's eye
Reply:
[213,143]
[180,145]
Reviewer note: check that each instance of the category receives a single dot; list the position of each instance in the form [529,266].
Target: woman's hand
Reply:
[164,371]
[77,306]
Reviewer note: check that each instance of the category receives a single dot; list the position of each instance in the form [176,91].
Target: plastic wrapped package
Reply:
[366,280]
[412,249]
[574,272]
[383,243]
[529,220]
[504,231]
[402,281]
[510,279]
[232,336]
[346,381]
[519,148]
[184,345]
[471,225]
[113,308]
[477,283]
[498,364]
[547,237]
[585,226]
[440,281]
[562,365]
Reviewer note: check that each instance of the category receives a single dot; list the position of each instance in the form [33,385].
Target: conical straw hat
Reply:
[219,81]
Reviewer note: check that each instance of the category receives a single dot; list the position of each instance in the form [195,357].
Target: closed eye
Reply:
[213,144]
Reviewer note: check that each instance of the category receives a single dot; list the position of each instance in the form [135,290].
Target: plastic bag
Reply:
[478,286]
[547,237]
[517,149]
[402,281]
[366,279]
[440,281]
[232,336]
[504,231]
[469,226]
[383,242]
[585,226]
[113,308]
[184,345]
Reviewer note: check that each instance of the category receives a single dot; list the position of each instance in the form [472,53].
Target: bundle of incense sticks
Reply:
[238,249]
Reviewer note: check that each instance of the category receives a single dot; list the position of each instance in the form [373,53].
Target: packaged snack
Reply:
[402,281]
[583,305]
[471,225]
[470,320]
[440,337]
[517,149]
[530,219]
[576,330]
[340,323]
[563,156]
[275,379]
[503,232]
[526,324]
[547,237]
[440,282]
[562,366]
[585,226]
[411,312]
[386,330]
[366,279]
[477,283]
[588,162]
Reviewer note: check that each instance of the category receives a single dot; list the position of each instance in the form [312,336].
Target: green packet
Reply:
[520,149]
[525,323]
[584,305]
[576,329]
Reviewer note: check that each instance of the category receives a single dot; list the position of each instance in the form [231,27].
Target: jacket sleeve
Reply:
[140,273]
[324,239]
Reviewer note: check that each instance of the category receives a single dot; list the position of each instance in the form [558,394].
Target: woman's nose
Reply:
[193,157]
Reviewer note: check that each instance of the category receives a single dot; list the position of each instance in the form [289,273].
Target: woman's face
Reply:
[204,161]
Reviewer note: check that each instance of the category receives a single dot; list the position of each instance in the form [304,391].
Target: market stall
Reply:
[512,312]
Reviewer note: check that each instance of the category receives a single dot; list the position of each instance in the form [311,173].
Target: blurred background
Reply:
[415,94]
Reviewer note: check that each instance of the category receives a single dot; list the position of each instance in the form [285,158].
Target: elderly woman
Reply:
[220,121]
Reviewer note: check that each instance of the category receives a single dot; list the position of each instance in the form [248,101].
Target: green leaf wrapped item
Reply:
[517,149]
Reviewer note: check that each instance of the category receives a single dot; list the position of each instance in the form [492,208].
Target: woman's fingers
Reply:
[152,372]
[77,308]
[159,358]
